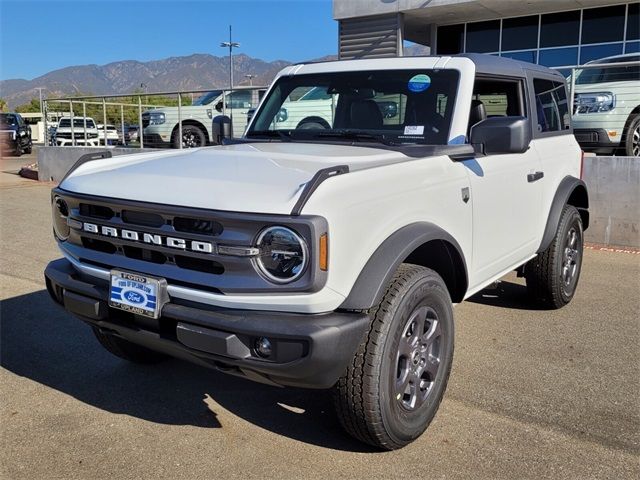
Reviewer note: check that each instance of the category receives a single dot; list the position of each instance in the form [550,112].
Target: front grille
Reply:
[180,244]
[78,135]
[156,224]
[196,225]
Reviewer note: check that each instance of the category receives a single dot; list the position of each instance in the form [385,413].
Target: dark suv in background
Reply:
[15,134]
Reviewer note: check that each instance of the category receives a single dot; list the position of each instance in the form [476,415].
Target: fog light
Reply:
[263,347]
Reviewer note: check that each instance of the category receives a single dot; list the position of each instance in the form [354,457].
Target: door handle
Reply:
[534,177]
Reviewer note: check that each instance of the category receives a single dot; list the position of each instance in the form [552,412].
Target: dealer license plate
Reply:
[137,294]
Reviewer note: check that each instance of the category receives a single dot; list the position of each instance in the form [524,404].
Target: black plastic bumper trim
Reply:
[311,350]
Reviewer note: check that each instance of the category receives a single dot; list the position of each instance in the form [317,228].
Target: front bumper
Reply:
[595,140]
[309,350]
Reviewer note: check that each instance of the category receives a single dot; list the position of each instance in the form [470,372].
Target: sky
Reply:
[37,36]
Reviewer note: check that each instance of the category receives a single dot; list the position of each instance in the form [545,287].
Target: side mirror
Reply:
[219,106]
[220,129]
[501,135]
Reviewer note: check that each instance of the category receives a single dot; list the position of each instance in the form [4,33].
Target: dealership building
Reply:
[555,33]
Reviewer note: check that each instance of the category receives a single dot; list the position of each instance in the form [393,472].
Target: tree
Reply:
[3,105]
[32,106]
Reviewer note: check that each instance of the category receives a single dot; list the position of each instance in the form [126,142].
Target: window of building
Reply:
[603,24]
[530,56]
[483,37]
[520,33]
[552,108]
[633,22]
[595,52]
[557,57]
[554,39]
[558,29]
[450,39]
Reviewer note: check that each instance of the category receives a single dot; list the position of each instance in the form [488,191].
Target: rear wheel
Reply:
[192,137]
[127,350]
[632,138]
[393,387]
[552,276]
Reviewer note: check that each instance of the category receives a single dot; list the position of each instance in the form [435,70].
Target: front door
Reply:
[506,199]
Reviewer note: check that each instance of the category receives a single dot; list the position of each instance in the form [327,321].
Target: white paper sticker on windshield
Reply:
[414,130]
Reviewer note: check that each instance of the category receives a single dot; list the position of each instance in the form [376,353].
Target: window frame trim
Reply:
[531,76]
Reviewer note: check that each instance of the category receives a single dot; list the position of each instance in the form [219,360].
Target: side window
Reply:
[551,105]
[239,99]
[500,97]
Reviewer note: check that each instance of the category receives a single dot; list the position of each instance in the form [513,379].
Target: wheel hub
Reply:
[570,258]
[418,358]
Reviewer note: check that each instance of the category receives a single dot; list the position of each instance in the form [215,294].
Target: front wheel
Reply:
[632,138]
[552,277]
[397,378]
[192,137]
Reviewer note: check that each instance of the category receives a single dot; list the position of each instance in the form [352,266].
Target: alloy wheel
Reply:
[418,358]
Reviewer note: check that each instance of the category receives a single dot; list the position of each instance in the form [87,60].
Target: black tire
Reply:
[313,123]
[28,149]
[367,397]
[632,137]
[552,277]
[127,350]
[192,137]
[18,150]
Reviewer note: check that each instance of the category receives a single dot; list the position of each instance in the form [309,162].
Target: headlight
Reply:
[156,118]
[283,254]
[282,115]
[594,102]
[60,212]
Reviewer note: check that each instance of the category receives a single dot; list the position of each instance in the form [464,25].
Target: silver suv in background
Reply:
[606,112]
[160,126]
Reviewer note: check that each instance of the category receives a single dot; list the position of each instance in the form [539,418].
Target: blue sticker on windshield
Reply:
[419,83]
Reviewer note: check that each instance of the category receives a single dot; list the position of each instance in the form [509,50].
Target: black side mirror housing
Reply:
[220,129]
[219,106]
[501,135]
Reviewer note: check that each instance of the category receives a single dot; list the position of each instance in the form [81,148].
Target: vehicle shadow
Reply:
[506,294]
[40,341]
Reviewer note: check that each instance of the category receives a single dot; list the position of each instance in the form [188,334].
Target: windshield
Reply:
[387,106]
[8,119]
[77,123]
[610,74]
[207,98]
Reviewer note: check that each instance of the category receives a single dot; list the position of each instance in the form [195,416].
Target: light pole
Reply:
[230,45]
[40,95]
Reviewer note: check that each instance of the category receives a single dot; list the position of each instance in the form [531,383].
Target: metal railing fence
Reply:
[130,114]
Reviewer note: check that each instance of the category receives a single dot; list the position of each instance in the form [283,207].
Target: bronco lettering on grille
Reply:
[152,239]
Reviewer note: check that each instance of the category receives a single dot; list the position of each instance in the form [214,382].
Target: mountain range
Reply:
[192,72]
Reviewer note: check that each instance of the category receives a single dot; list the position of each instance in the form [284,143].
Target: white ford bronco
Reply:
[331,257]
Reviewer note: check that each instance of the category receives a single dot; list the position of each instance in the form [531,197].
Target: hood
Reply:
[251,177]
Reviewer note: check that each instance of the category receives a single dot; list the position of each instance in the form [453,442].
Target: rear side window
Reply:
[551,105]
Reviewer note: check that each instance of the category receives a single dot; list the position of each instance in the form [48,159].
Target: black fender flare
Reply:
[566,190]
[370,285]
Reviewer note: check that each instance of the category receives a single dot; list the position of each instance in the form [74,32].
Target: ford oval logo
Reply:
[133,297]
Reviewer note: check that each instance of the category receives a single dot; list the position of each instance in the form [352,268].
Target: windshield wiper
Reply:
[357,136]
[284,135]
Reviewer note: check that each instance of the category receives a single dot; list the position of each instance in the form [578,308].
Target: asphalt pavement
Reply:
[533,393]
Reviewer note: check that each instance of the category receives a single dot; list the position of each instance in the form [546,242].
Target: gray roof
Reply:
[506,66]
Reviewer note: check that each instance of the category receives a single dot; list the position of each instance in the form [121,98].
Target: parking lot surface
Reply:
[533,394]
